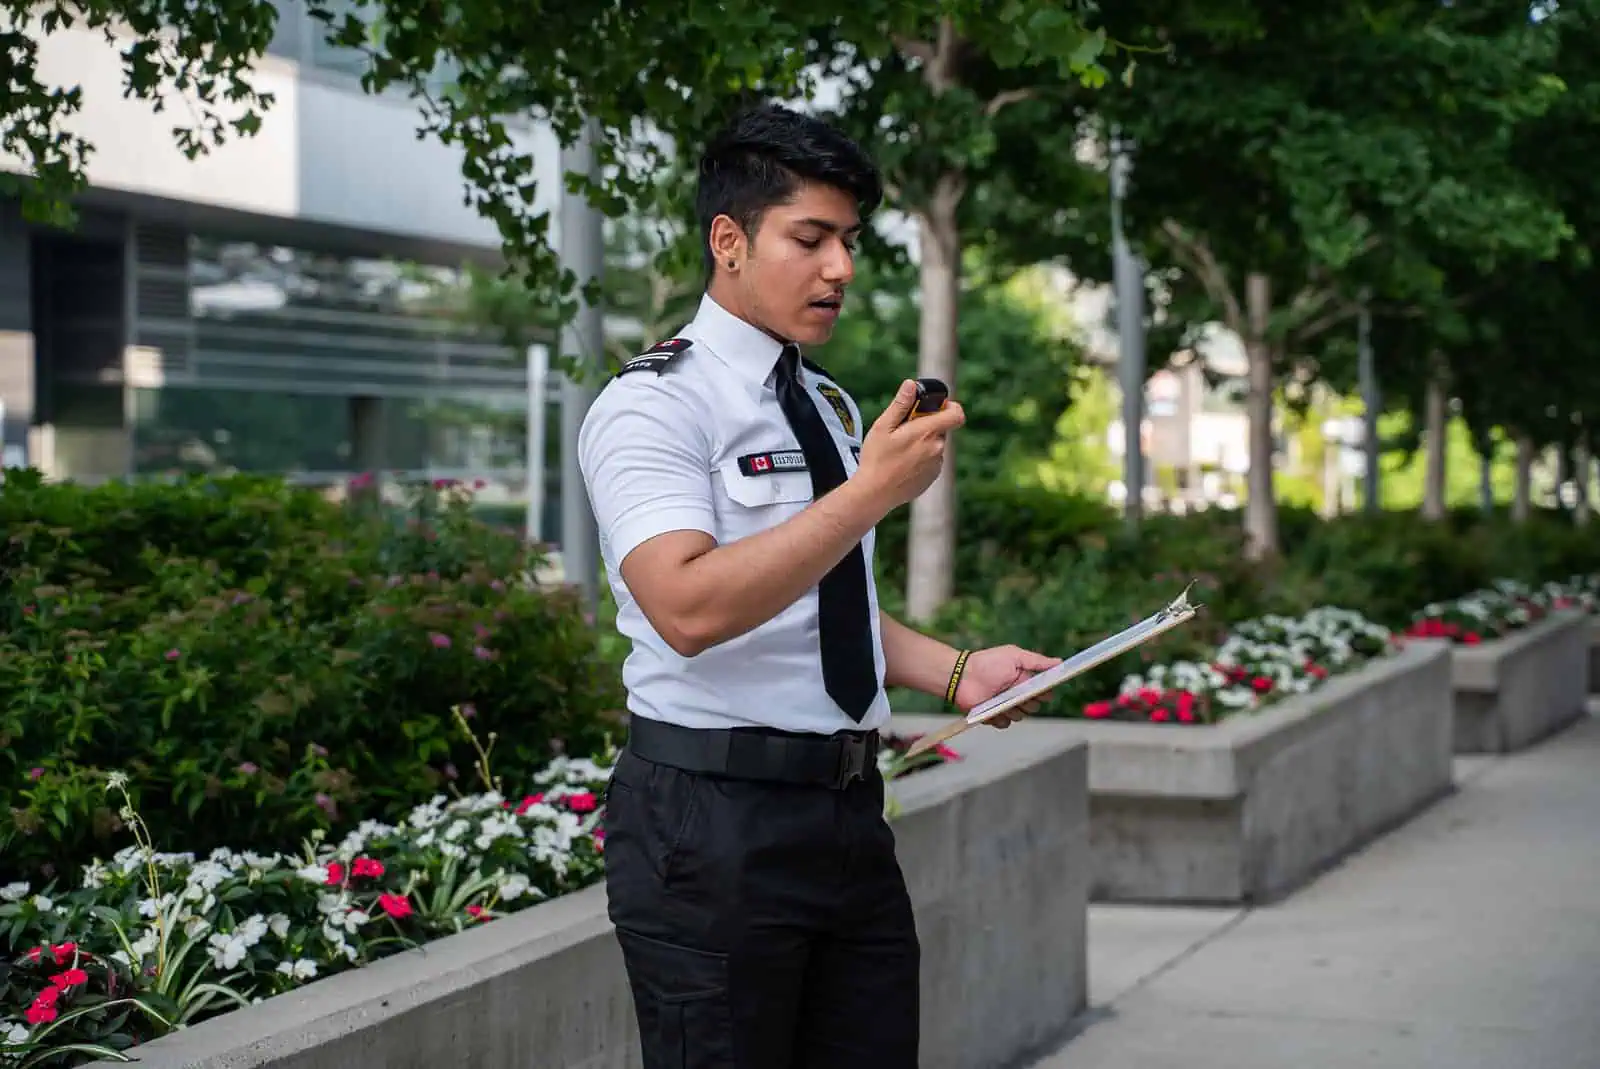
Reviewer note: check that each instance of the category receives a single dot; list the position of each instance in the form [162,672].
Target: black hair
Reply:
[763,156]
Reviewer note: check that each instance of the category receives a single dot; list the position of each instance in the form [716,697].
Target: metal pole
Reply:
[1370,402]
[582,249]
[538,403]
[1128,279]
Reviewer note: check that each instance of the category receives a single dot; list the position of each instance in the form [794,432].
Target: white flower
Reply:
[279,924]
[43,904]
[14,1032]
[300,969]
[317,874]
[14,892]
[227,950]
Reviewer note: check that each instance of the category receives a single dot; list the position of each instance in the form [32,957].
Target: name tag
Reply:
[772,463]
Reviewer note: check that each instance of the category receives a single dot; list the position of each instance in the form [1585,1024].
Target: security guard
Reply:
[752,879]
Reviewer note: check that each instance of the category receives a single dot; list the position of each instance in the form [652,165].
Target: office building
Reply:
[290,302]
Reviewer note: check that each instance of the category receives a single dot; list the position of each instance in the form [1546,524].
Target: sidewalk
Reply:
[1468,939]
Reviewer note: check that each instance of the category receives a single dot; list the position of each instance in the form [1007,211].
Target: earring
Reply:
[731,265]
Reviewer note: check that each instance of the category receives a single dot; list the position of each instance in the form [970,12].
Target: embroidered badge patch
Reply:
[772,463]
[658,356]
[840,406]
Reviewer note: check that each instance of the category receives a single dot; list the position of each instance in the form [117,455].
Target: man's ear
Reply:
[729,244]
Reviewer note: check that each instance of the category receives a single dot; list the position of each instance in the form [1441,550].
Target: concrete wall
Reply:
[1514,691]
[1594,656]
[995,851]
[1251,808]
[325,153]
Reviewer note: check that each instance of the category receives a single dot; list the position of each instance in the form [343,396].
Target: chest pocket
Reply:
[764,488]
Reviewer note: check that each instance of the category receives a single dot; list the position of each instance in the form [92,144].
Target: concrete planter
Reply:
[1251,808]
[1514,691]
[1594,655]
[995,851]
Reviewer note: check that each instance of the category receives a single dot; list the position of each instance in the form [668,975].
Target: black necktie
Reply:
[849,670]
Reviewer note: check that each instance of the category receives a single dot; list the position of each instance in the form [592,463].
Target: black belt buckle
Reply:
[853,756]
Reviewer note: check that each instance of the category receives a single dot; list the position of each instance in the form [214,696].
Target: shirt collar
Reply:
[749,350]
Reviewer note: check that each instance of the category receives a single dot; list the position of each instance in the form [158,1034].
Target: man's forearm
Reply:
[914,660]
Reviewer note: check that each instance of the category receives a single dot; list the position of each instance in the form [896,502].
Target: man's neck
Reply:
[725,295]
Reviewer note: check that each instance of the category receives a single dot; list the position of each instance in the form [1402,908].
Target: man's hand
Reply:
[999,668]
[900,460]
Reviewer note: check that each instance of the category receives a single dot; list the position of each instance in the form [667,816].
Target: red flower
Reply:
[1261,684]
[335,873]
[1471,638]
[946,752]
[39,1013]
[1097,710]
[64,952]
[1159,716]
[47,997]
[475,912]
[1185,706]
[529,802]
[581,803]
[70,978]
[368,867]
[396,906]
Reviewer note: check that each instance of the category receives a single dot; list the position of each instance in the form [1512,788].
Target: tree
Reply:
[1280,186]
[956,104]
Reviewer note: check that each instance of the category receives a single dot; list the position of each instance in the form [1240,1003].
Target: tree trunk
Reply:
[931,566]
[1486,482]
[1436,413]
[1581,477]
[1261,511]
[1522,495]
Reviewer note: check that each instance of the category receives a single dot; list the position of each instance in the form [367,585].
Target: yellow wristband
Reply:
[955,676]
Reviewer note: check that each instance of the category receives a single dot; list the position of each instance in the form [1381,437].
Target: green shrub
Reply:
[999,527]
[263,662]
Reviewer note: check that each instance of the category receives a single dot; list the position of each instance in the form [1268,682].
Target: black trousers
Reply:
[763,925]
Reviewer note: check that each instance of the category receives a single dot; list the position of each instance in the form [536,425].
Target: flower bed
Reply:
[151,940]
[1249,807]
[1260,662]
[546,972]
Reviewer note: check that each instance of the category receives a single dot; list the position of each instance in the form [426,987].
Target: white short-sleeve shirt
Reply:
[703,445]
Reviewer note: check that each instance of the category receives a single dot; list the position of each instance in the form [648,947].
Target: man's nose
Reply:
[840,268]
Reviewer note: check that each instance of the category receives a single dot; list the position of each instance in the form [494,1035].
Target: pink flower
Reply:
[946,752]
[396,906]
[173,655]
[475,912]
[440,642]
[35,773]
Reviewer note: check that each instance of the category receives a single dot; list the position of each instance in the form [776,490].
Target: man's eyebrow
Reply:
[830,227]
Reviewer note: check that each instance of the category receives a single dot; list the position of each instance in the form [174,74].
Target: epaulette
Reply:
[657,357]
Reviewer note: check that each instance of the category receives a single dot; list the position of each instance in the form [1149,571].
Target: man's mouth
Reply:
[828,304]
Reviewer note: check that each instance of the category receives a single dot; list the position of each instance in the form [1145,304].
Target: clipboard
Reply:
[1178,611]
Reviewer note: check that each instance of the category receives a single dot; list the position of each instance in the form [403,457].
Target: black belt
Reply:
[833,761]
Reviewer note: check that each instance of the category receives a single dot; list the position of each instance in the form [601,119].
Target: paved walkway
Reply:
[1467,939]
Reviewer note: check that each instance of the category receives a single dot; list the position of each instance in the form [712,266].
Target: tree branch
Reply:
[1213,278]
[1006,99]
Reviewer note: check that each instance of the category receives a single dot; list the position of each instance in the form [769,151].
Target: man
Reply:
[752,879]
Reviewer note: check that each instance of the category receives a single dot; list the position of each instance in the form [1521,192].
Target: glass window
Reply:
[214,431]
[320,321]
